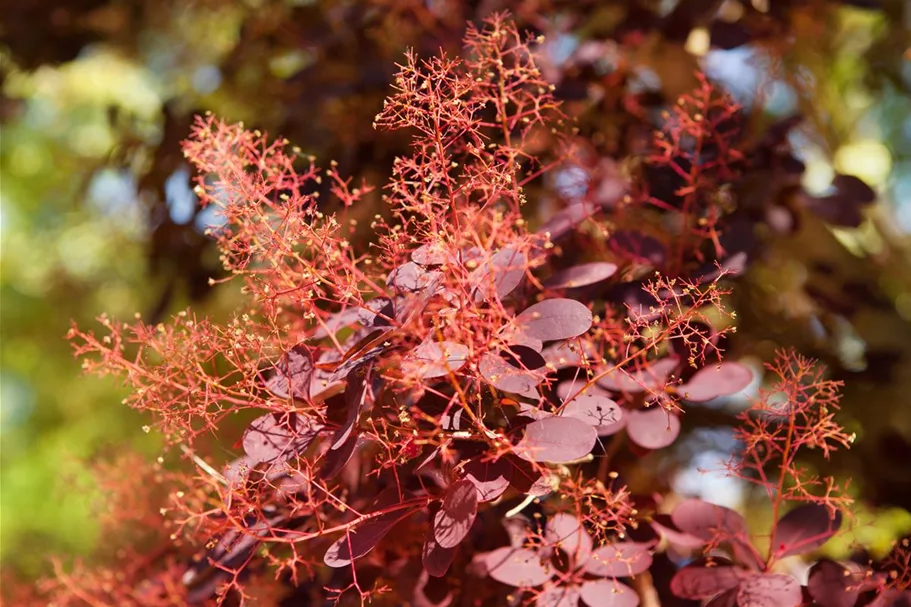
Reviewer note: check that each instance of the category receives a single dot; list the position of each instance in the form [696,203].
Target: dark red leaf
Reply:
[555,319]
[519,567]
[698,582]
[653,428]
[436,559]
[498,372]
[608,593]
[596,410]
[715,381]
[556,440]
[355,393]
[620,559]
[769,590]
[437,359]
[581,275]
[377,312]
[833,585]
[364,537]
[499,275]
[456,515]
[565,220]
[523,357]
[708,521]
[292,374]
[490,478]
[803,529]
[278,437]
[335,459]
[649,377]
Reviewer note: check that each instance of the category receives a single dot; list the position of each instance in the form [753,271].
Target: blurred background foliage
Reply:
[98,214]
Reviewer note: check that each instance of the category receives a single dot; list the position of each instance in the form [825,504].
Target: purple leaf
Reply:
[565,220]
[437,359]
[708,522]
[456,515]
[499,373]
[564,531]
[832,585]
[620,559]
[608,593]
[335,459]
[490,478]
[364,537]
[557,440]
[698,582]
[519,567]
[649,377]
[412,278]
[581,275]
[569,354]
[714,381]
[803,529]
[599,411]
[499,275]
[436,559]
[558,596]
[769,590]
[555,319]
[292,374]
[274,436]
[652,428]
[355,393]
[377,312]
[667,528]
[523,357]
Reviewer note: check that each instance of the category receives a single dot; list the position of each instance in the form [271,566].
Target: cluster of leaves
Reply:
[471,369]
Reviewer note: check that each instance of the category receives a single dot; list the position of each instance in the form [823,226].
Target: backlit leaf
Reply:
[608,593]
[699,582]
[490,478]
[620,559]
[599,411]
[498,372]
[273,437]
[833,585]
[653,428]
[292,374]
[499,275]
[519,567]
[456,515]
[565,531]
[708,521]
[769,590]
[715,381]
[803,529]
[556,440]
[434,359]
[652,376]
[364,537]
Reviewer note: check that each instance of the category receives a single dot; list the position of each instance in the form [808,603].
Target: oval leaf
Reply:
[519,567]
[803,529]
[437,359]
[564,531]
[364,537]
[653,428]
[651,376]
[608,593]
[769,590]
[698,582]
[436,559]
[456,515]
[708,521]
[555,319]
[581,275]
[292,374]
[276,437]
[498,372]
[598,411]
[716,381]
[557,440]
[558,596]
[499,275]
[832,585]
[620,559]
